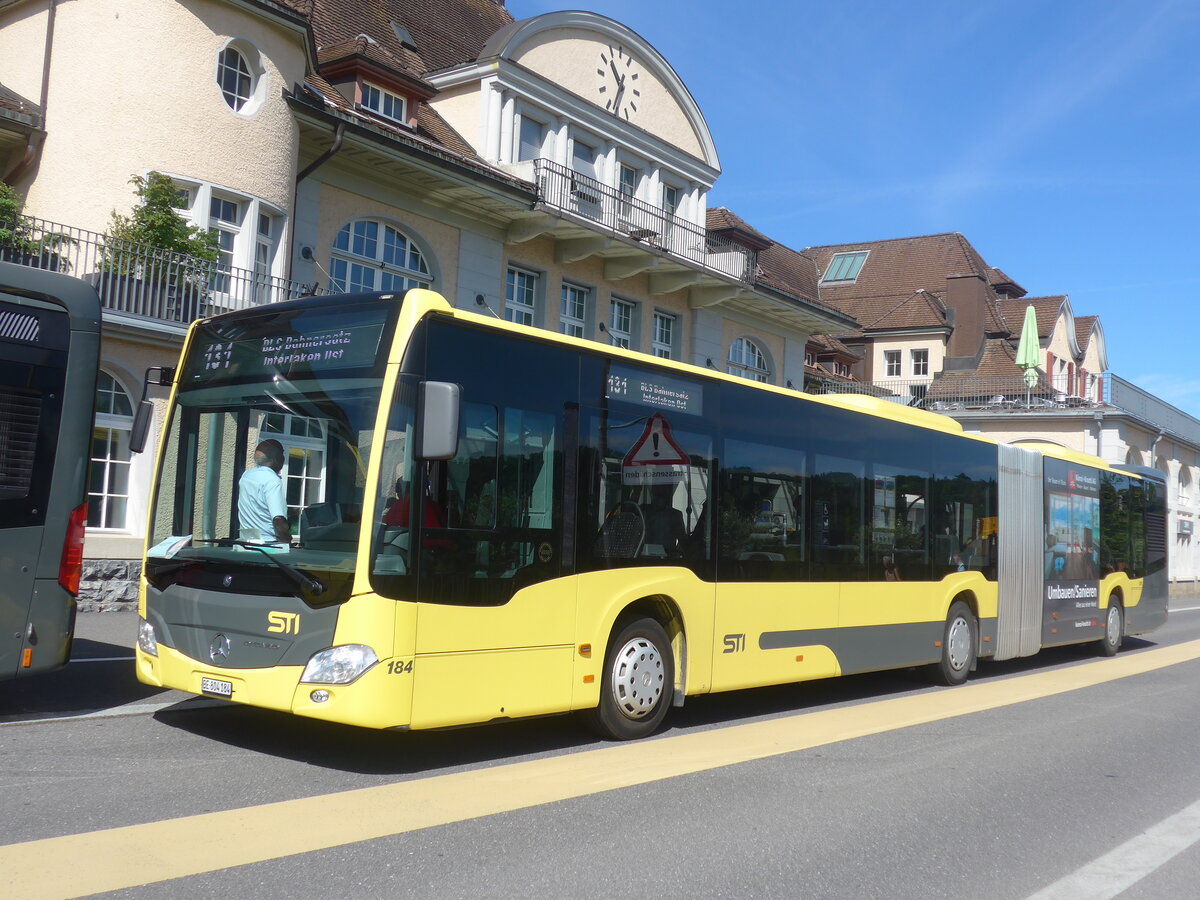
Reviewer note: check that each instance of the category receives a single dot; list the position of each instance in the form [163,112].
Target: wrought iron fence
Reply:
[949,392]
[565,189]
[139,280]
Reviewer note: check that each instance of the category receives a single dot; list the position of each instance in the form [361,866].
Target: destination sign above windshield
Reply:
[300,344]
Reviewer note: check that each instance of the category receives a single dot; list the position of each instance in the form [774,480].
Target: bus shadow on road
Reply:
[366,752]
[100,677]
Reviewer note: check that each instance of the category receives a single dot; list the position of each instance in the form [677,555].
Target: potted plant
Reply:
[24,243]
[155,263]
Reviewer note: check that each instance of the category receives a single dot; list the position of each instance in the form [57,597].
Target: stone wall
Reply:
[107,585]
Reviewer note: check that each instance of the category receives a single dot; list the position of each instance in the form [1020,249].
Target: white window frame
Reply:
[892,362]
[663,323]
[835,264]
[574,302]
[521,295]
[118,427]
[375,98]
[241,101]
[543,122]
[246,241]
[299,447]
[747,360]
[920,362]
[354,270]
[621,327]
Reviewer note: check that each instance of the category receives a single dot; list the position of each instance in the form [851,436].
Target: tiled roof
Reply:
[783,269]
[1045,308]
[1083,331]
[921,310]
[445,32]
[1001,281]
[721,219]
[370,49]
[896,269]
[998,364]
[14,102]
[827,343]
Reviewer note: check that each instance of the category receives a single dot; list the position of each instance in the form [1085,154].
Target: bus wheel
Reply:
[1114,629]
[958,645]
[638,679]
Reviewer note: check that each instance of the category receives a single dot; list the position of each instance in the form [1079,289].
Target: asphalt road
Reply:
[870,786]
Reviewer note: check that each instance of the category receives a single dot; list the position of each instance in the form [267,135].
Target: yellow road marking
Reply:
[119,858]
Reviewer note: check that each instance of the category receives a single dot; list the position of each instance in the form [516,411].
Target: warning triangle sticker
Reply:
[656,447]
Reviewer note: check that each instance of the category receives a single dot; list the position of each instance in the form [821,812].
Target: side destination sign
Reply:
[657,389]
[302,345]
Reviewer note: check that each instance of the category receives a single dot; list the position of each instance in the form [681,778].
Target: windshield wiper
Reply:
[301,579]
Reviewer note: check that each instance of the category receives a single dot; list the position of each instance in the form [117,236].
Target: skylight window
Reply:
[844,266]
[403,36]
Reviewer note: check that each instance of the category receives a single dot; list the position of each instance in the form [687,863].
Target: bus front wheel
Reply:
[1114,629]
[638,681]
[958,645]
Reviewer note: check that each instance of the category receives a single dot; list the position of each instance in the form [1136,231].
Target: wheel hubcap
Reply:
[958,643]
[637,678]
[1114,625]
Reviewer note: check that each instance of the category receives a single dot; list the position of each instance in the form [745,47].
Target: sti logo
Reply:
[283,623]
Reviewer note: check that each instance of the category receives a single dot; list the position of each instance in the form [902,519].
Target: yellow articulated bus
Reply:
[383,511]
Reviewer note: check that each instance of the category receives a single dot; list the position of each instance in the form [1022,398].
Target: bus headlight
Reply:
[339,665]
[147,642]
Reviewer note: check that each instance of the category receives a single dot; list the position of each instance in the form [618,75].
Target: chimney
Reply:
[966,311]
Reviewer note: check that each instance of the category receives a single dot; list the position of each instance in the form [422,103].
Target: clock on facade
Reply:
[619,74]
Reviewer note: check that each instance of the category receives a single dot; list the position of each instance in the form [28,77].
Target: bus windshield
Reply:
[246,387]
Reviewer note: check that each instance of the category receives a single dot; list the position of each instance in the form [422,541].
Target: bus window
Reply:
[1114,523]
[899,525]
[760,526]
[837,519]
[640,511]
[488,523]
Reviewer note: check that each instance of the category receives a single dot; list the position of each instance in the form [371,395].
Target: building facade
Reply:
[554,171]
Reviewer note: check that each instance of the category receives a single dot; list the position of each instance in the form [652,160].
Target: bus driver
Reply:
[261,508]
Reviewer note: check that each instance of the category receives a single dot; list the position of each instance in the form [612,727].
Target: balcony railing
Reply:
[950,392]
[562,188]
[138,280]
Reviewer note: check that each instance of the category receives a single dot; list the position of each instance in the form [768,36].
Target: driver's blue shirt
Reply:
[260,499]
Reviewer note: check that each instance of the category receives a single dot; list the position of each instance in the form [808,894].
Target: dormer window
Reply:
[844,267]
[384,103]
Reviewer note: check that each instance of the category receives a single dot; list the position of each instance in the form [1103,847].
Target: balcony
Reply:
[949,393]
[138,282]
[638,224]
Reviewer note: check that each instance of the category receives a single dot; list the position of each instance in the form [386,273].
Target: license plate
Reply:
[216,687]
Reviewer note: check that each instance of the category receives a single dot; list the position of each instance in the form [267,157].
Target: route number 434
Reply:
[400,667]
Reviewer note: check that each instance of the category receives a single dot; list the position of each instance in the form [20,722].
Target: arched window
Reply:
[746,360]
[108,479]
[1133,457]
[369,255]
[1185,486]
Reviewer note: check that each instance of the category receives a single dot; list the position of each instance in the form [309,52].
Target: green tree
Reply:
[156,222]
[22,242]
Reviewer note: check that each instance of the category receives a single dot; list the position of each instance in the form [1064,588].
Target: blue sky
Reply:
[1061,138]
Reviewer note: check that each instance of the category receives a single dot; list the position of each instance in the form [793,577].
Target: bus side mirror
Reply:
[141,425]
[437,420]
[161,376]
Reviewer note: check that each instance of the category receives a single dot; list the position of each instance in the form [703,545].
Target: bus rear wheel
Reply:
[1114,629]
[958,645]
[638,681]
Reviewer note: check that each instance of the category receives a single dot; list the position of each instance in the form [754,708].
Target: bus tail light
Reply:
[72,556]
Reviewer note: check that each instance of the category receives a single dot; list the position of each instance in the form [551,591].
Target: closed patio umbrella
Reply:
[1028,351]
